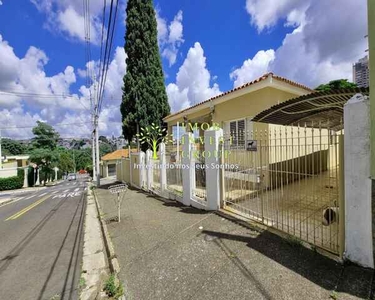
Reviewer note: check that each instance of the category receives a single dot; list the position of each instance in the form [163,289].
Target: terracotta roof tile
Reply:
[264,77]
[118,154]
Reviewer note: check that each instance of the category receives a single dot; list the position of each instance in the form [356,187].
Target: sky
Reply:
[207,47]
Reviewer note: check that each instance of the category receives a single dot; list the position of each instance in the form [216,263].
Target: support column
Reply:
[149,170]
[188,169]
[358,222]
[25,180]
[56,169]
[212,140]
[163,170]
[142,170]
[38,179]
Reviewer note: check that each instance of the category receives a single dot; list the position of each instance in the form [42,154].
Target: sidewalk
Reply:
[167,251]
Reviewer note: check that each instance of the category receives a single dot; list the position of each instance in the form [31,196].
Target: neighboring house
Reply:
[109,161]
[234,109]
[11,163]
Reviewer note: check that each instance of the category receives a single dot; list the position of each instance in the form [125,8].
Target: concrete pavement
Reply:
[168,251]
[41,243]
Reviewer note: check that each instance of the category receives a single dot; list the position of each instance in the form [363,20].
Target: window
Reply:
[237,133]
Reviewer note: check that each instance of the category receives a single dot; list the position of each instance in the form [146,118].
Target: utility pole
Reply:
[95,157]
[97,150]
[93,153]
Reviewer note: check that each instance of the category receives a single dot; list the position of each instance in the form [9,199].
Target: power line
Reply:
[110,35]
[24,127]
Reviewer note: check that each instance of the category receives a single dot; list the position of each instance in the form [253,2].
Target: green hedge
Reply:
[12,183]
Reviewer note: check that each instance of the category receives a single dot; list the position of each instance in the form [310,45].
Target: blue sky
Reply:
[207,47]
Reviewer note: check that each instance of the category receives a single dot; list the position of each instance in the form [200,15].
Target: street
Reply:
[41,243]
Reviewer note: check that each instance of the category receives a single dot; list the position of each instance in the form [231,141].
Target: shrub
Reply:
[12,183]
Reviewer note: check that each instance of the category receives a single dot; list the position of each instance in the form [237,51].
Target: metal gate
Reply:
[288,178]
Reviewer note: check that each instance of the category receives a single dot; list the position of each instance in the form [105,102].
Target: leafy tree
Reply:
[144,99]
[12,147]
[105,149]
[83,159]
[46,161]
[45,136]
[66,163]
[336,85]
[103,139]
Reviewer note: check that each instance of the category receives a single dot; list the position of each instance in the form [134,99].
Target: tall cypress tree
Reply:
[144,99]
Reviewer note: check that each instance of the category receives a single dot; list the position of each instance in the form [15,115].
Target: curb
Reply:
[5,202]
[22,191]
[94,267]
[114,265]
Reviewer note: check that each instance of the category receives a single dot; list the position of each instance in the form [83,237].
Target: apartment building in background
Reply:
[361,72]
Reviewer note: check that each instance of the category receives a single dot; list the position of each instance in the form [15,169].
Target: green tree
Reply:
[66,163]
[336,85]
[45,136]
[83,159]
[46,161]
[12,147]
[144,99]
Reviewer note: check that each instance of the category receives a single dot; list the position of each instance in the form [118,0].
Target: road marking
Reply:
[66,191]
[76,190]
[26,209]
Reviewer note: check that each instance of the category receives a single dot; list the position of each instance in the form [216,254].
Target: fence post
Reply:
[358,219]
[187,169]
[142,169]
[163,170]
[25,179]
[213,154]
[130,169]
[149,170]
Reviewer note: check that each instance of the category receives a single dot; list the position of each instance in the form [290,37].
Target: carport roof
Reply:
[323,109]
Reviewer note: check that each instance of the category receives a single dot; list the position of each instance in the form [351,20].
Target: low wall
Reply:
[5,173]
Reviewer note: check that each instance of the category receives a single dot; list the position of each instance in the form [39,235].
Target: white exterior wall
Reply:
[358,223]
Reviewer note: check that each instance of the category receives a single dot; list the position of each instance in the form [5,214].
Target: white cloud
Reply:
[253,68]
[324,44]
[170,37]
[1,2]
[27,75]
[193,81]
[67,17]
[265,13]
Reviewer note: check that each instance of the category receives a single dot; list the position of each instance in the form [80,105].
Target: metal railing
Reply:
[174,169]
[199,190]
[288,178]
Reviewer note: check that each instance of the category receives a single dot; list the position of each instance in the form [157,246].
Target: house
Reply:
[109,161]
[233,110]
[11,163]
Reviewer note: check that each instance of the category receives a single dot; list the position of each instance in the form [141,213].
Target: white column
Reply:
[56,169]
[212,160]
[149,170]
[163,170]
[142,170]
[358,226]
[38,179]
[25,180]
[188,169]
[130,169]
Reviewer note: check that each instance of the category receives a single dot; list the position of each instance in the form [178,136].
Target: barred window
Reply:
[237,132]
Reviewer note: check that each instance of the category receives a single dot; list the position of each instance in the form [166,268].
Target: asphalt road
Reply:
[41,240]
